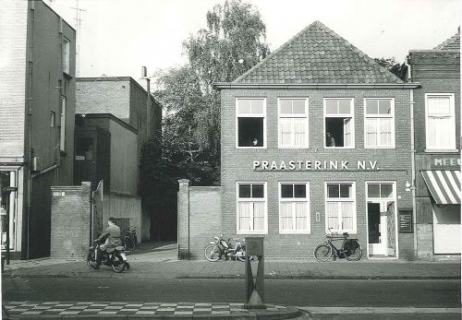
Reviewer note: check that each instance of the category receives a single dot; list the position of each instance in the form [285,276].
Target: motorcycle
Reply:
[115,259]
[223,248]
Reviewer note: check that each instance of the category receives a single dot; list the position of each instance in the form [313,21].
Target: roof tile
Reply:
[318,55]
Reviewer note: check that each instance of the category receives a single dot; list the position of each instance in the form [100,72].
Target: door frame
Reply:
[393,198]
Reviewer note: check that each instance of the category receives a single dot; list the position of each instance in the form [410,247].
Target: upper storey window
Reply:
[379,123]
[251,126]
[339,123]
[66,56]
[440,121]
[293,123]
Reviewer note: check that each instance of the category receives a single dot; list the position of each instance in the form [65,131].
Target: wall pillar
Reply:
[183,233]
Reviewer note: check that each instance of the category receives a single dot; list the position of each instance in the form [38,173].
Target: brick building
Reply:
[37,105]
[112,124]
[318,136]
[437,157]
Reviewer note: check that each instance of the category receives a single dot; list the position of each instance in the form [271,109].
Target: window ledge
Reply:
[441,150]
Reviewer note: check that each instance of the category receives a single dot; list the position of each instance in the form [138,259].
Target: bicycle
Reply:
[130,239]
[350,248]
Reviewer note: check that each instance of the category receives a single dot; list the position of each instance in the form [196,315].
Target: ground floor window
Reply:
[251,208]
[340,207]
[446,229]
[294,208]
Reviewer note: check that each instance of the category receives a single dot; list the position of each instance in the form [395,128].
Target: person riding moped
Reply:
[113,240]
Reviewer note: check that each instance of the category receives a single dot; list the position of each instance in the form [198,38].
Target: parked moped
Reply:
[221,248]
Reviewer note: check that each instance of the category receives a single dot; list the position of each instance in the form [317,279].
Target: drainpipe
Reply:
[413,173]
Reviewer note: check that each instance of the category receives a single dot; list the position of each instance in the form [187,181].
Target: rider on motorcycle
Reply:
[113,240]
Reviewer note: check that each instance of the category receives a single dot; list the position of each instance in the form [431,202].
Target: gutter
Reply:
[232,85]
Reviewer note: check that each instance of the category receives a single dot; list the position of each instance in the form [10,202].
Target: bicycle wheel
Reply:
[354,254]
[212,252]
[129,244]
[322,252]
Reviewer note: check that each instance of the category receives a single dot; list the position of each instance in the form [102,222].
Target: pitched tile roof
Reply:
[452,43]
[318,55]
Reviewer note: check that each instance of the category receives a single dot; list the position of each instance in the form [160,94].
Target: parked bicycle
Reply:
[350,248]
[130,239]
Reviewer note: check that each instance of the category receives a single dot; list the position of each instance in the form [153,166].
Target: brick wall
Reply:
[70,221]
[13,77]
[394,164]
[199,219]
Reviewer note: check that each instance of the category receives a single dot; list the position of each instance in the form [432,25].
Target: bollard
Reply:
[255,291]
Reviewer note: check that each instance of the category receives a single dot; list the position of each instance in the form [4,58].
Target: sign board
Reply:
[405,222]
[254,246]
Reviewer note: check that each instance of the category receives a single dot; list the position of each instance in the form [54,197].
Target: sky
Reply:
[118,37]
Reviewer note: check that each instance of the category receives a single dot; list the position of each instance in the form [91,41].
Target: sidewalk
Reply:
[161,262]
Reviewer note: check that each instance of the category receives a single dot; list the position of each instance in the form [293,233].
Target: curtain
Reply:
[301,218]
[285,131]
[300,130]
[347,215]
[244,215]
[385,133]
[286,216]
[332,215]
[258,216]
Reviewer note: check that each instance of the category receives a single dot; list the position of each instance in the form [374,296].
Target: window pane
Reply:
[244,215]
[258,216]
[439,106]
[371,132]
[258,191]
[344,106]
[387,190]
[300,132]
[372,106]
[285,106]
[332,215]
[286,216]
[345,190]
[347,215]
[300,190]
[299,106]
[250,132]
[373,190]
[287,191]
[256,106]
[333,191]
[285,131]
[243,106]
[244,191]
[301,216]
[331,106]
[384,106]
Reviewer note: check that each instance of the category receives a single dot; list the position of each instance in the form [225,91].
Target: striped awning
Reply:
[444,186]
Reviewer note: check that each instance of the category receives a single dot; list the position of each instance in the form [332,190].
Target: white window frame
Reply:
[293,116]
[253,200]
[339,201]
[380,116]
[350,115]
[256,115]
[66,47]
[62,141]
[307,229]
[451,146]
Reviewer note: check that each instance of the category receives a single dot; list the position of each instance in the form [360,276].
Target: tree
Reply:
[398,69]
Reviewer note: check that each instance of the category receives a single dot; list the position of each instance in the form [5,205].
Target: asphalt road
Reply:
[314,293]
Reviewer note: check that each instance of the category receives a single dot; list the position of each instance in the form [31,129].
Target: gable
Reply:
[320,56]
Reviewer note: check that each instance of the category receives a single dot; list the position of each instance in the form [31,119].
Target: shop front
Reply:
[443,183]
[10,206]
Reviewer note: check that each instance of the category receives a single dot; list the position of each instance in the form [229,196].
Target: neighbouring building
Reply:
[317,138]
[437,150]
[112,124]
[37,106]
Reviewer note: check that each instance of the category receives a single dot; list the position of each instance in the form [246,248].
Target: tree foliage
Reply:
[398,69]
[232,43]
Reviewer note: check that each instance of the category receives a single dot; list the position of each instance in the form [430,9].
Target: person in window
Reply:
[113,240]
[255,141]
[330,140]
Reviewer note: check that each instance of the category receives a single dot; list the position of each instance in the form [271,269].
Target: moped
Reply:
[115,258]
